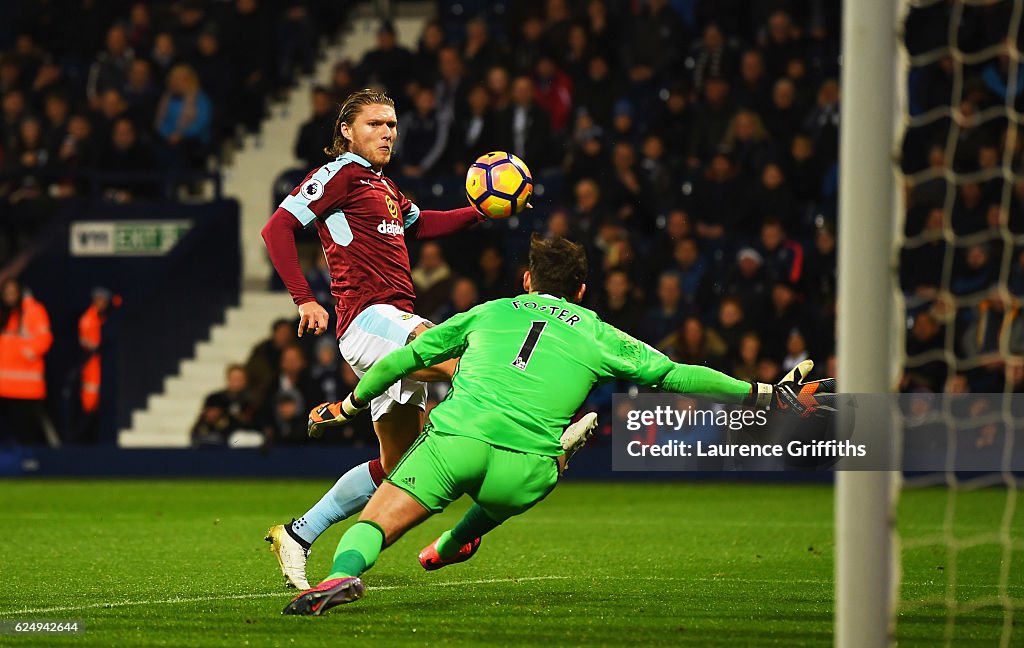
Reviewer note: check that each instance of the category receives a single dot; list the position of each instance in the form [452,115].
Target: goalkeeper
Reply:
[527,363]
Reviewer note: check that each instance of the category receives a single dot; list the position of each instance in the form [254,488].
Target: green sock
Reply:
[473,524]
[357,550]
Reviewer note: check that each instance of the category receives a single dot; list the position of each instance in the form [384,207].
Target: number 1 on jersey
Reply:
[523,357]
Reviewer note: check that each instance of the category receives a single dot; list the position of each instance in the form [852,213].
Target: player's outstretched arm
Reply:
[790,394]
[279,237]
[631,359]
[434,224]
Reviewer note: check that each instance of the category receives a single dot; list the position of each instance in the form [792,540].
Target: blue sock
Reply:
[347,497]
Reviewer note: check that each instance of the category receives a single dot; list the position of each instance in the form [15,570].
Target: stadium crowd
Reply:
[117,99]
[691,145]
[962,263]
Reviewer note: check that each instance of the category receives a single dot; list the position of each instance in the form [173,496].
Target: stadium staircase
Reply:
[169,415]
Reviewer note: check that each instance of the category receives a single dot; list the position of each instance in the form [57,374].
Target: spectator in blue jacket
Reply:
[185,116]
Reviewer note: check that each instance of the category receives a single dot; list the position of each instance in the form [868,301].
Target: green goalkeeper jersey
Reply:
[527,364]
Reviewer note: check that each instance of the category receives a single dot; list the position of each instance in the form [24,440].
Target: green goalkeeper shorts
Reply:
[439,468]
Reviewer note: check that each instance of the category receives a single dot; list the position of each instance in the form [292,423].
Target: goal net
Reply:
[956,552]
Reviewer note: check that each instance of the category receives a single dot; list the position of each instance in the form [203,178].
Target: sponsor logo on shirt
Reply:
[392,207]
[390,227]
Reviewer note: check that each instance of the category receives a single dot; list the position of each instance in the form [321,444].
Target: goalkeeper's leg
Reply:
[390,513]
[459,543]
[290,543]
[513,483]
[396,431]
[422,483]
[398,419]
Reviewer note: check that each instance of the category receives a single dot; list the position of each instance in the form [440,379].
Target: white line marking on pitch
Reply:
[280,594]
[486,581]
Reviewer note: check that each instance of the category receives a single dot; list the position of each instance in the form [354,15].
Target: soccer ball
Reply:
[498,184]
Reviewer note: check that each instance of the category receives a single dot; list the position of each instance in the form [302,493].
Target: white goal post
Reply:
[866,335]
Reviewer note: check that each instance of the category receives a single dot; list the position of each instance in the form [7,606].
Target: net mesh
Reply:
[962,278]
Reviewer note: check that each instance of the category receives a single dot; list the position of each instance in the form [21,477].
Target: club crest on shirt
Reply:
[312,189]
[392,207]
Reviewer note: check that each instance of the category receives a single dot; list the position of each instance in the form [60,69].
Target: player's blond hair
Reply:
[348,113]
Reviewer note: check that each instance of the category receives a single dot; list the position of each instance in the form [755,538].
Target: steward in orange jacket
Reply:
[89,328]
[24,339]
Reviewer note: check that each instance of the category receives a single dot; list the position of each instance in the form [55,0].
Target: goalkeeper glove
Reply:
[793,394]
[799,373]
[327,415]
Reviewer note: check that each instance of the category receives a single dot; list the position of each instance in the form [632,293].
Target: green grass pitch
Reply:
[176,563]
